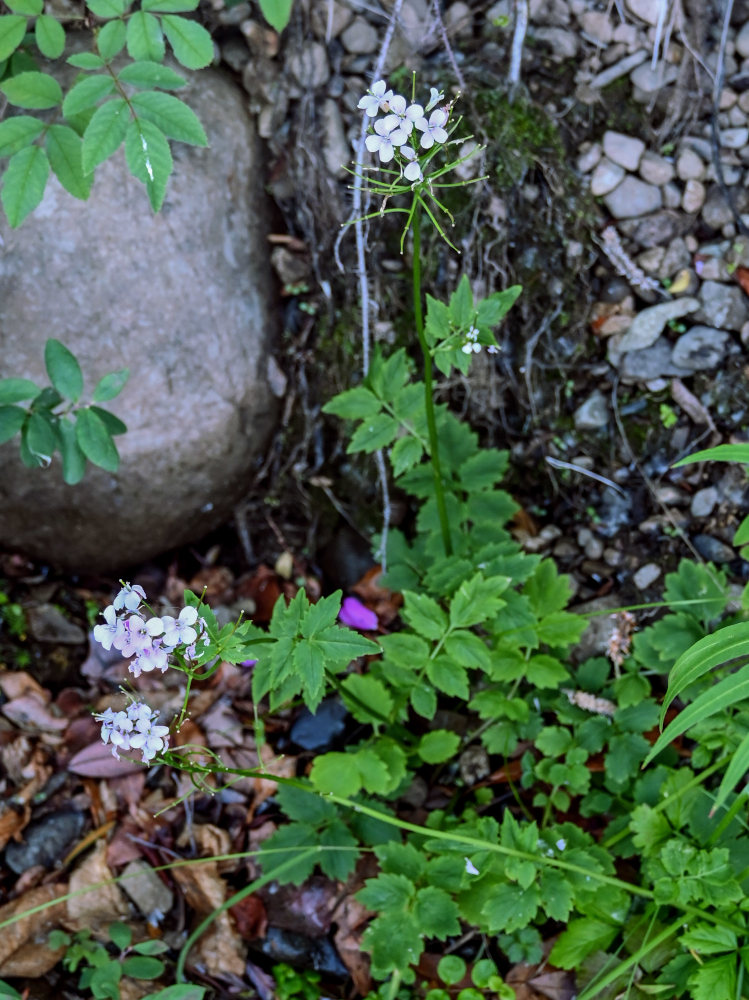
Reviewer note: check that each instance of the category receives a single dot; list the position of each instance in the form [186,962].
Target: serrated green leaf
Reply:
[580,939]
[388,892]
[146,74]
[191,43]
[448,676]
[33,90]
[436,913]
[24,183]
[424,615]
[713,979]
[12,32]
[49,35]
[423,700]
[110,40]
[438,746]
[358,403]
[401,859]
[557,897]
[339,860]
[88,92]
[145,39]
[285,843]
[104,133]
[11,421]
[305,806]
[337,773]
[373,772]
[707,939]
[276,12]
[110,386]
[546,589]
[511,907]
[95,440]
[395,942]
[545,671]
[17,390]
[374,433]
[107,9]
[149,158]
[484,470]
[65,152]
[370,701]
[17,133]
[405,453]
[171,115]
[460,308]
[73,459]
[63,369]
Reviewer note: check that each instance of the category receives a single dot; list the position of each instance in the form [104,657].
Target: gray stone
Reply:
[704,501]
[633,198]
[734,138]
[742,41]
[694,196]
[676,258]
[605,177]
[329,18]
[655,169]
[646,10]
[335,149]
[651,363]
[597,25]
[147,891]
[646,575]
[563,43]
[716,211]
[713,549]
[648,325]
[723,306]
[45,842]
[48,624]
[647,80]
[701,348]
[689,166]
[590,154]
[593,415]
[183,299]
[360,37]
[618,69]
[625,150]
[308,65]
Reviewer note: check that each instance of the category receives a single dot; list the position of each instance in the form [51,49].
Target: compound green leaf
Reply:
[146,74]
[24,183]
[706,939]
[370,701]
[170,6]
[11,421]
[50,36]
[285,843]
[87,92]
[373,772]
[406,452]
[110,386]
[107,8]
[376,432]
[65,152]
[16,390]
[339,859]
[191,43]
[63,369]
[17,133]
[86,60]
[511,907]
[111,39]
[73,459]
[580,939]
[104,133]
[33,90]
[145,40]
[112,423]
[714,978]
[12,31]
[336,773]
[395,942]
[389,892]
[401,859]
[448,676]
[358,403]
[276,12]
[305,806]
[436,913]
[149,158]
[95,440]
[438,746]
[424,615]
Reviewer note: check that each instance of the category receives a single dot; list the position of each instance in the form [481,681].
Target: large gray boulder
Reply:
[185,300]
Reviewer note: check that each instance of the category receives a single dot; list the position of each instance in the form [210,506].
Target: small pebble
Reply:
[704,501]
[646,575]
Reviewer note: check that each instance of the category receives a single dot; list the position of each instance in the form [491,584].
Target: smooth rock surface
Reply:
[626,150]
[648,324]
[593,414]
[633,198]
[701,348]
[182,298]
[723,306]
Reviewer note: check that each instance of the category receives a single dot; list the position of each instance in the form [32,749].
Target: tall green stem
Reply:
[428,398]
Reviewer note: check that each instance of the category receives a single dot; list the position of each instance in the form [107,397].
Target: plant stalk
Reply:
[439,491]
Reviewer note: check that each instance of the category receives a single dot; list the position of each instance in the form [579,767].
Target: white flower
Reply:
[387,135]
[140,634]
[177,630]
[376,99]
[471,867]
[407,114]
[434,129]
[129,598]
[435,96]
[113,629]
[134,729]
[412,170]
[471,342]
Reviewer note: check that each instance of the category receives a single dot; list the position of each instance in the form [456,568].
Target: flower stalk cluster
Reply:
[134,728]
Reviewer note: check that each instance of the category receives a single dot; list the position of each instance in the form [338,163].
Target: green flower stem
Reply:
[439,492]
[738,804]
[595,988]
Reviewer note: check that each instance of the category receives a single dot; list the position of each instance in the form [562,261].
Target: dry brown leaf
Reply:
[284,767]
[351,919]
[690,404]
[17,683]
[13,818]
[23,951]
[32,713]
[100,901]
[220,949]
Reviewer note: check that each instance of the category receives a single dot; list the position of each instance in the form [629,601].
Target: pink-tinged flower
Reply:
[111,631]
[354,614]
[140,634]
[133,729]
[376,99]
[434,129]
[129,598]
[180,630]
[154,657]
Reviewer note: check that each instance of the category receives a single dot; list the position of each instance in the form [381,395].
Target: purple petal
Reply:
[355,615]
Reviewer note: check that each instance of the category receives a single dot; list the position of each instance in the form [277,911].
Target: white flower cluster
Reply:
[134,729]
[394,137]
[149,640]
[471,343]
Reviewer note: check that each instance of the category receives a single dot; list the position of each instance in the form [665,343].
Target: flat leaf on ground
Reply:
[50,36]
[191,43]
[24,183]
[149,158]
[171,115]
[95,440]
[104,133]
[33,90]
